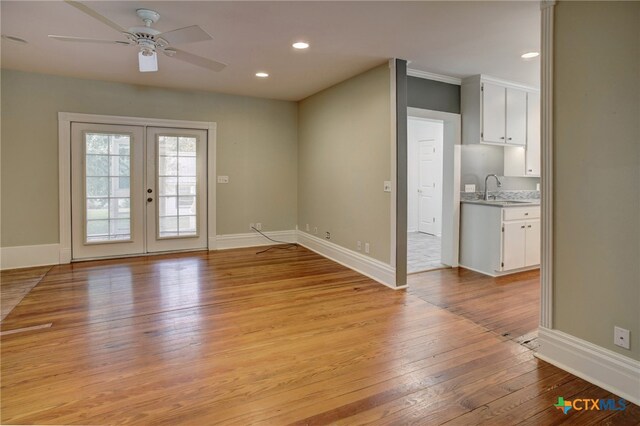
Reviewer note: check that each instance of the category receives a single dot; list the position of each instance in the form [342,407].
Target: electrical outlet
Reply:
[307,228]
[621,337]
[359,245]
[223,179]
[387,186]
[251,226]
[470,188]
[328,236]
[315,230]
[259,226]
[366,248]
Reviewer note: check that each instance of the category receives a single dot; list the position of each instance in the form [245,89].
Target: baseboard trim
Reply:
[602,367]
[253,239]
[29,256]
[372,268]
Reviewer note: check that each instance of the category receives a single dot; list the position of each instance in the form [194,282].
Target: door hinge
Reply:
[502,264]
[482,87]
[502,228]
[482,135]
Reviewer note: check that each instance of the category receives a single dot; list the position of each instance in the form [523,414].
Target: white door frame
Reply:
[451,148]
[64,167]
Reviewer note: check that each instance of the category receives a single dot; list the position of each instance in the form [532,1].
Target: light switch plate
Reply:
[223,179]
[387,186]
[470,187]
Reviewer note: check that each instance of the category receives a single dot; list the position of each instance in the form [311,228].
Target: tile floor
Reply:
[423,252]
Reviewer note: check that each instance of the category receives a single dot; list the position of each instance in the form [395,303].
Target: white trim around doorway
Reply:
[64,167]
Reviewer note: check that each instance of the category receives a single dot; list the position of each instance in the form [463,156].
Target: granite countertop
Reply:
[504,203]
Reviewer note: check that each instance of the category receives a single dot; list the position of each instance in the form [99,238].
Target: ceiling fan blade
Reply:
[89,40]
[194,59]
[86,9]
[148,63]
[186,35]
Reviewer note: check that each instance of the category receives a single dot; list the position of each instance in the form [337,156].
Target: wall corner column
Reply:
[546,99]
[401,172]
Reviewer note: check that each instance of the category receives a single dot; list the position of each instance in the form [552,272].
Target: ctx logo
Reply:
[590,404]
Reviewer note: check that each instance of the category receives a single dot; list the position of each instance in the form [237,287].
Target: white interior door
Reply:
[176,189]
[106,190]
[430,186]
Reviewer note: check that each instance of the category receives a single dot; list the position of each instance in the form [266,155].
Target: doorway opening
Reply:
[424,194]
[433,195]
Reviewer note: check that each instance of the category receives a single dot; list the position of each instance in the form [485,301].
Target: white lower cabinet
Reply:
[499,240]
[520,244]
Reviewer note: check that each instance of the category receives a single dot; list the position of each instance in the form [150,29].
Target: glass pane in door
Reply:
[107,187]
[177,187]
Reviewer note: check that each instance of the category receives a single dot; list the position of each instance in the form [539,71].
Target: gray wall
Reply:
[257,149]
[344,156]
[597,171]
[433,95]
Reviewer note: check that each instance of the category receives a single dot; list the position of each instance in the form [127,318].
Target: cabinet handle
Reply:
[522,227]
[510,138]
[501,137]
[529,226]
[526,214]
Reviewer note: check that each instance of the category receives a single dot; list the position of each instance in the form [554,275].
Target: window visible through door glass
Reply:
[107,187]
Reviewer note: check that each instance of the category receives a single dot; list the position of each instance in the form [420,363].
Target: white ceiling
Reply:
[458,39]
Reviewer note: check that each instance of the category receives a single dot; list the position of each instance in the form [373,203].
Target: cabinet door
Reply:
[513,245]
[532,247]
[493,113]
[516,117]
[533,134]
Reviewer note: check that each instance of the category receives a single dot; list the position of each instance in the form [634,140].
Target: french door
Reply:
[137,190]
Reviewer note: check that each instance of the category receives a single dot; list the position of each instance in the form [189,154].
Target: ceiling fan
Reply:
[149,41]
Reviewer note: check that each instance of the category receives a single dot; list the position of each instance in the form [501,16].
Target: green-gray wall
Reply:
[597,171]
[344,156]
[433,95]
[256,148]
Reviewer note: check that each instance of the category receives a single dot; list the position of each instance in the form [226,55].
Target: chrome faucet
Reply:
[486,192]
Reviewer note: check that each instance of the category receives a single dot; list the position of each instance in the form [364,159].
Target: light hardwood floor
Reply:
[284,337]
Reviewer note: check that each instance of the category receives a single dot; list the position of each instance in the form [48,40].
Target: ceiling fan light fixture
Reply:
[148,63]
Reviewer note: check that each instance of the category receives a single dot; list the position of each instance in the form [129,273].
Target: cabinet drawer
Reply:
[520,213]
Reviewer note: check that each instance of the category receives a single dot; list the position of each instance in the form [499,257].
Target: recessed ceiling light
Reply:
[262,74]
[530,55]
[14,38]
[300,45]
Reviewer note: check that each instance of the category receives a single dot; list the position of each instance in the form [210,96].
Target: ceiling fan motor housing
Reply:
[145,37]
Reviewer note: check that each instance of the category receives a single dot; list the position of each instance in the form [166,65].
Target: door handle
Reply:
[149,200]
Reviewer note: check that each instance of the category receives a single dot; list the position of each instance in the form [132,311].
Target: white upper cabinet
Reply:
[516,120]
[494,111]
[533,135]
[493,116]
